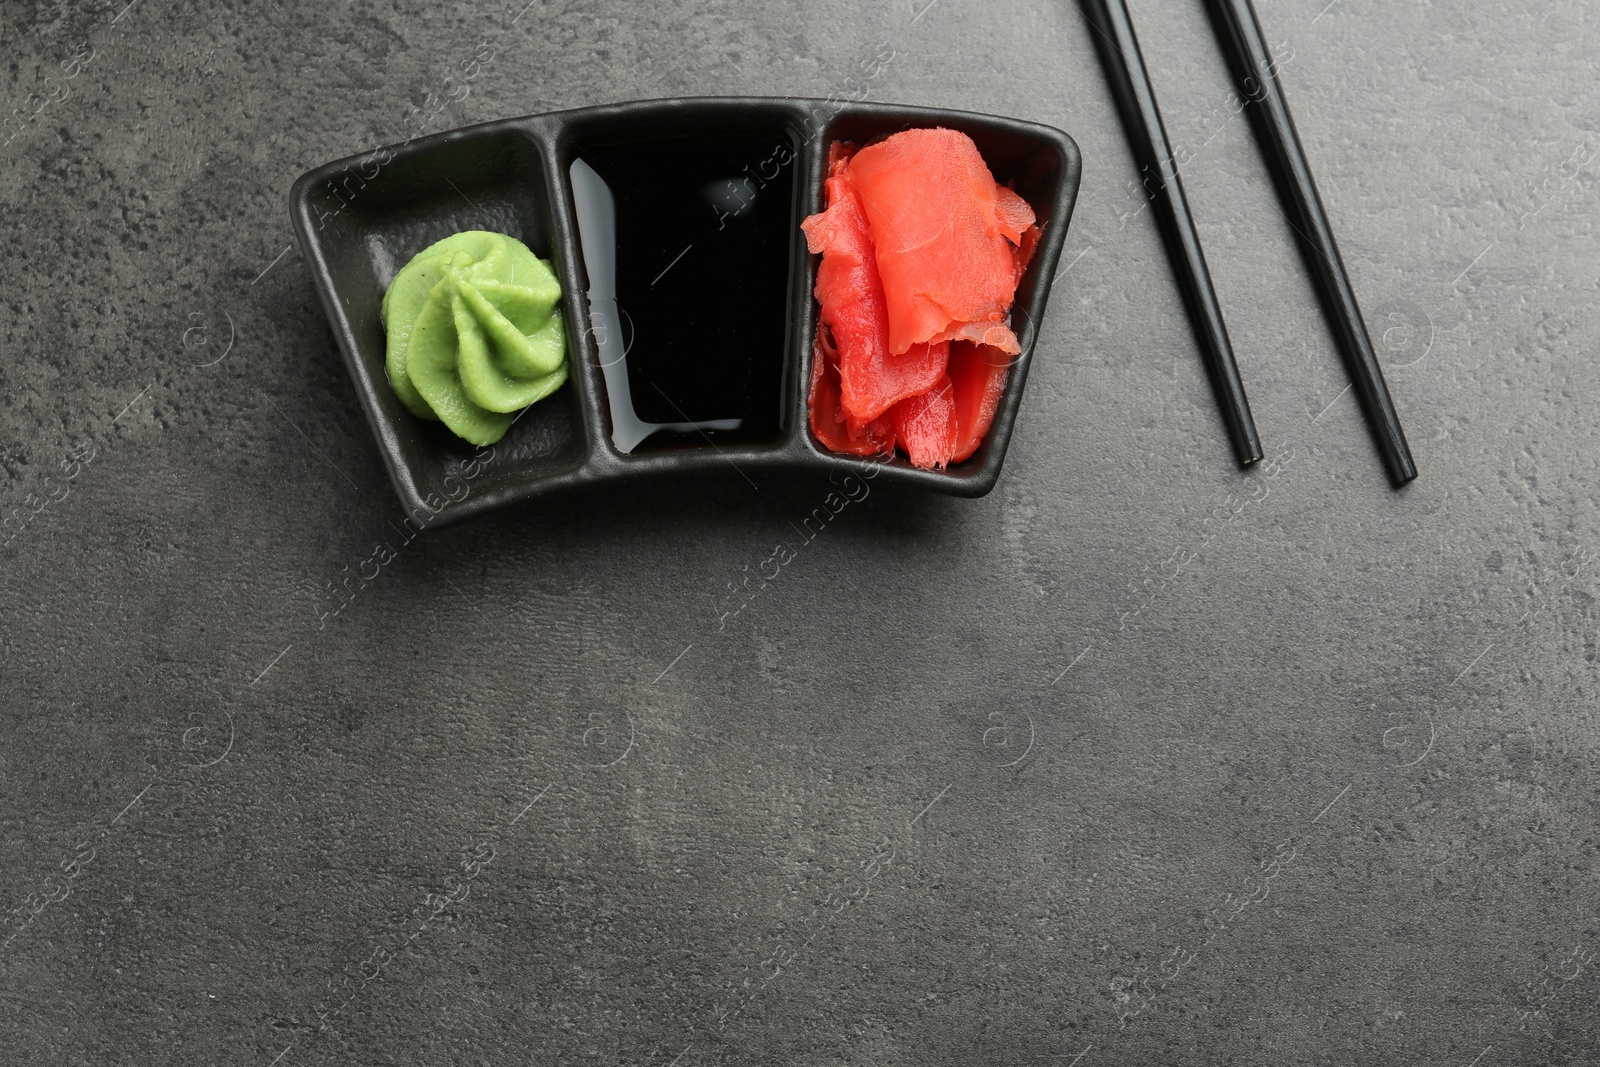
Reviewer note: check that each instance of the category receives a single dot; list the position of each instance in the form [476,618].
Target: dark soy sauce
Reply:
[705,228]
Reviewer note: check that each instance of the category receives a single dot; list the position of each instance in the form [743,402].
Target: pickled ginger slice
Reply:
[978,379]
[871,379]
[946,238]
[925,426]
[828,423]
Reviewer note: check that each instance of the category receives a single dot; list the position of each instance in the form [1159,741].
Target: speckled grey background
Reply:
[1139,760]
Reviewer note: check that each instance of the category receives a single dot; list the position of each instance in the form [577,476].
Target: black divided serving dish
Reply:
[359,220]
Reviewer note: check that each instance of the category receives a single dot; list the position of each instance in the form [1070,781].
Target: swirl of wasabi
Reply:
[474,333]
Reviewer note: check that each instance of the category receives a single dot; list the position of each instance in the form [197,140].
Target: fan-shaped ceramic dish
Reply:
[359,220]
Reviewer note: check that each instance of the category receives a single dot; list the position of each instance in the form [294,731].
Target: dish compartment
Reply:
[687,223]
[1039,163]
[359,221]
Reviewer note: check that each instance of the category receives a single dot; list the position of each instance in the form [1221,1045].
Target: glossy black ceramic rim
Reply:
[1047,154]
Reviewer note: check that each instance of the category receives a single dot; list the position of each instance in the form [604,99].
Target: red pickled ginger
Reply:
[922,251]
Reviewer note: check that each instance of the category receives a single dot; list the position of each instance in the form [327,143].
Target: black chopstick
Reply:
[1136,99]
[1239,33]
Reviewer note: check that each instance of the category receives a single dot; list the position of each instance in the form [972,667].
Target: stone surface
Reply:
[1138,760]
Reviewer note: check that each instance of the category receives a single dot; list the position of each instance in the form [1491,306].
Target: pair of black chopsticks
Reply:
[1255,71]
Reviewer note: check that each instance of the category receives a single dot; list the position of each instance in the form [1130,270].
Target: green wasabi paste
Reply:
[474,333]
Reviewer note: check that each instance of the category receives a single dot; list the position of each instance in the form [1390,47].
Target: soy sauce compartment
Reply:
[366,218]
[700,347]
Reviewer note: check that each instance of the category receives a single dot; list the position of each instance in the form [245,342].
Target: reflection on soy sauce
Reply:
[703,233]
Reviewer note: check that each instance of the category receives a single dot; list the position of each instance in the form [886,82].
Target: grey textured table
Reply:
[1138,760]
